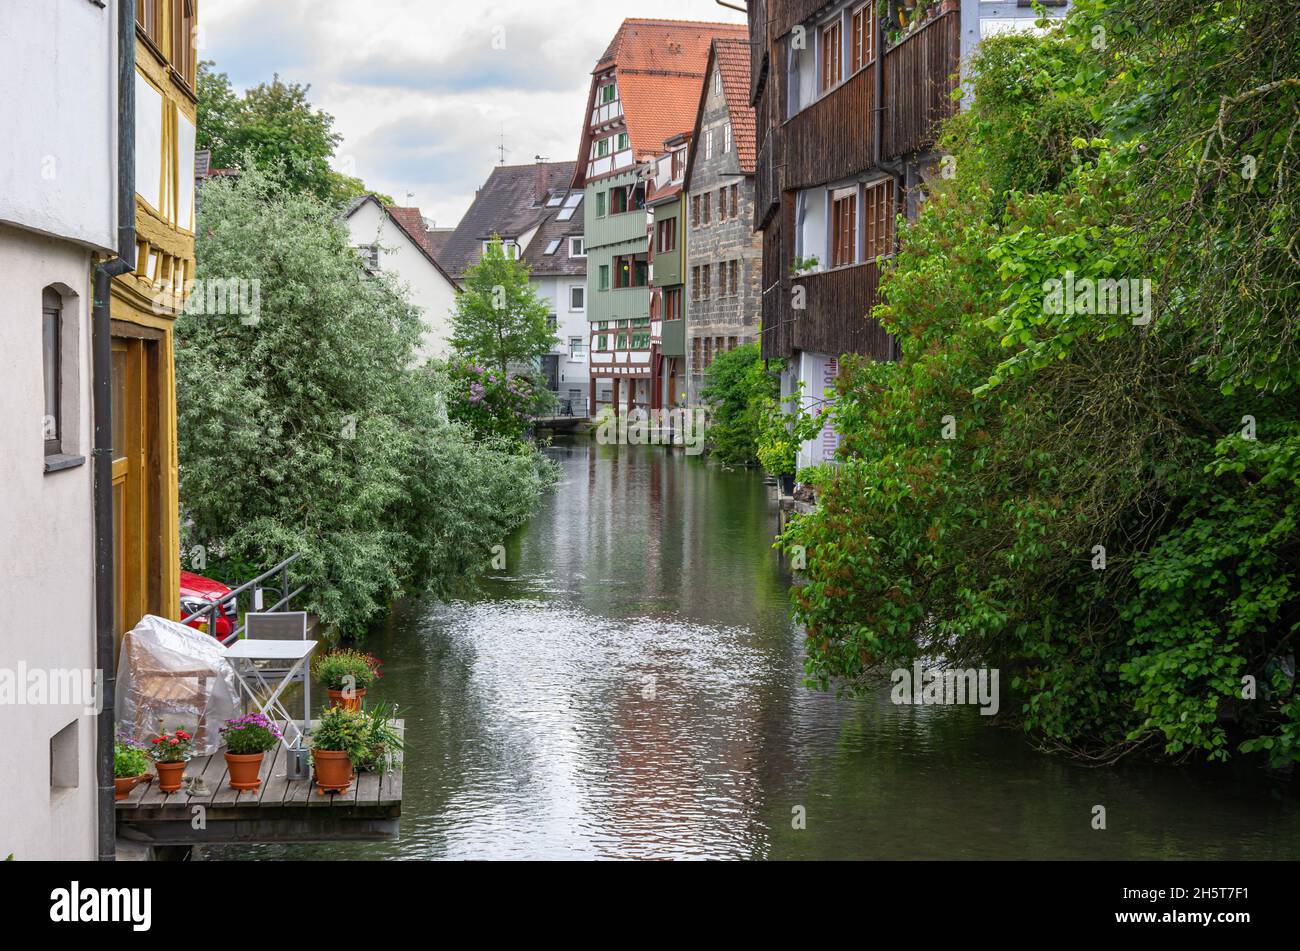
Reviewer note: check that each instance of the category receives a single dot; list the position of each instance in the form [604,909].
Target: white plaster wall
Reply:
[569,323]
[46,548]
[429,290]
[58,166]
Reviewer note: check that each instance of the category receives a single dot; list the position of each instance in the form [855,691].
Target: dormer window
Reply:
[606,94]
[509,248]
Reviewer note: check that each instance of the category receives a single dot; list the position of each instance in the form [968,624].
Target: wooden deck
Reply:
[281,810]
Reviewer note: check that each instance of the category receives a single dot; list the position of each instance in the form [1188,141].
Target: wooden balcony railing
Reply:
[831,138]
[919,77]
[836,316]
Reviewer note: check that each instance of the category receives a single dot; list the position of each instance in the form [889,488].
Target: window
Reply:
[878,212]
[722,203]
[604,278]
[844,226]
[708,143]
[369,256]
[617,201]
[622,142]
[722,278]
[602,147]
[708,207]
[695,354]
[571,205]
[600,204]
[509,248]
[717,82]
[735,283]
[578,247]
[673,304]
[735,201]
[695,283]
[52,357]
[705,276]
[631,270]
[666,235]
[606,94]
[553,246]
[726,138]
[832,53]
[577,297]
[183,39]
[602,342]
[679,164]
[708,351]
[148,16]
[861,39]
[695,211]
[731,343]
[577,348]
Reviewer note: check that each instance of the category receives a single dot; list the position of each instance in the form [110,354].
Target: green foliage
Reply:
[345,668]
[1111,153]
[499,318]
[249,734]
[274,124]
[382,744]
[737,389]
[784,426]
[305,428]
[494,404]
[343,731]
[129,761]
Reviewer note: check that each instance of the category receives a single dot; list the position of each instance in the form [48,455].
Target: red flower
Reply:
[173,741]
[157,740]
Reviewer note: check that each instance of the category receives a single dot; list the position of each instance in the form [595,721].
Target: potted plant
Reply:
[337,742]
[382,743]
[346,674]
[130,767]
[248,738]
[170,752]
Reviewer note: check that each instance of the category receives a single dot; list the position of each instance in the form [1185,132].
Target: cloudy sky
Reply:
[422,90]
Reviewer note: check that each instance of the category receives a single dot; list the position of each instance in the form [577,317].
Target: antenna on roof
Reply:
[540,159]
[502,147]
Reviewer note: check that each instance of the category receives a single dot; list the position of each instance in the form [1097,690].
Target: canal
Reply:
[629,687]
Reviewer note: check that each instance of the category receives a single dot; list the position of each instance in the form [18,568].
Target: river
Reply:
[630,687]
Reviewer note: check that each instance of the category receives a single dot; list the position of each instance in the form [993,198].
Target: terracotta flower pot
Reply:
[170,776]
[333,771]
[122,785]
[244,769]
[338,700]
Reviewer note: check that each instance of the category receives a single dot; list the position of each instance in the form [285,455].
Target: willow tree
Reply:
[304,427]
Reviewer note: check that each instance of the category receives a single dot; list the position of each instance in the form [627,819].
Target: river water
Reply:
[629,687]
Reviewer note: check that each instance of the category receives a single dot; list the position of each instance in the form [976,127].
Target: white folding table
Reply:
[291,657]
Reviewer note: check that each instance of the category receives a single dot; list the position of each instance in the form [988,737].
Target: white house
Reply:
[539,220]
[58,218]
[396,239]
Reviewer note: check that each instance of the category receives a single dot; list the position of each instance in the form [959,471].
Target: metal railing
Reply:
[217,607]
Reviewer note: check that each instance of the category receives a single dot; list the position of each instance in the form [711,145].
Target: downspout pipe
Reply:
[102,453]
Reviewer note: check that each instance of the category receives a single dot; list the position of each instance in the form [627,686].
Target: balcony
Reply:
[835,317]
[609,164]
[919,77]
[832,138]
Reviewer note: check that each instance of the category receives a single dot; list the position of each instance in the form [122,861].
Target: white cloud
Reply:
[418,89]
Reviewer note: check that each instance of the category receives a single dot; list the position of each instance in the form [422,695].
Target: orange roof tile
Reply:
[733,60]
[660,66]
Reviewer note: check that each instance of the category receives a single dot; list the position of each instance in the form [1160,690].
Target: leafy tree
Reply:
[275,124]
[305,429]
[1106,522]
[499,318]
[737,387]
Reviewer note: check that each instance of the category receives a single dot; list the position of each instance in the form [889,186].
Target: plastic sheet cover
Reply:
[170,676]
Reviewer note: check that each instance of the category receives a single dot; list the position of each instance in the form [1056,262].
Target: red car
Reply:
[198,593]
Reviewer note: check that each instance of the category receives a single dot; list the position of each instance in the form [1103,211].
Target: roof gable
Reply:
[731,58]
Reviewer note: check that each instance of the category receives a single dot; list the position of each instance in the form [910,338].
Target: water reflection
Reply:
[630,687]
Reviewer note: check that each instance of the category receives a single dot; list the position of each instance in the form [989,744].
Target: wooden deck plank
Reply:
[281,810]
[390,789]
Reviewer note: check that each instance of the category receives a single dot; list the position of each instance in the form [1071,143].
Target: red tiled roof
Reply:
[660,68]
[733,60]
[412,222]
